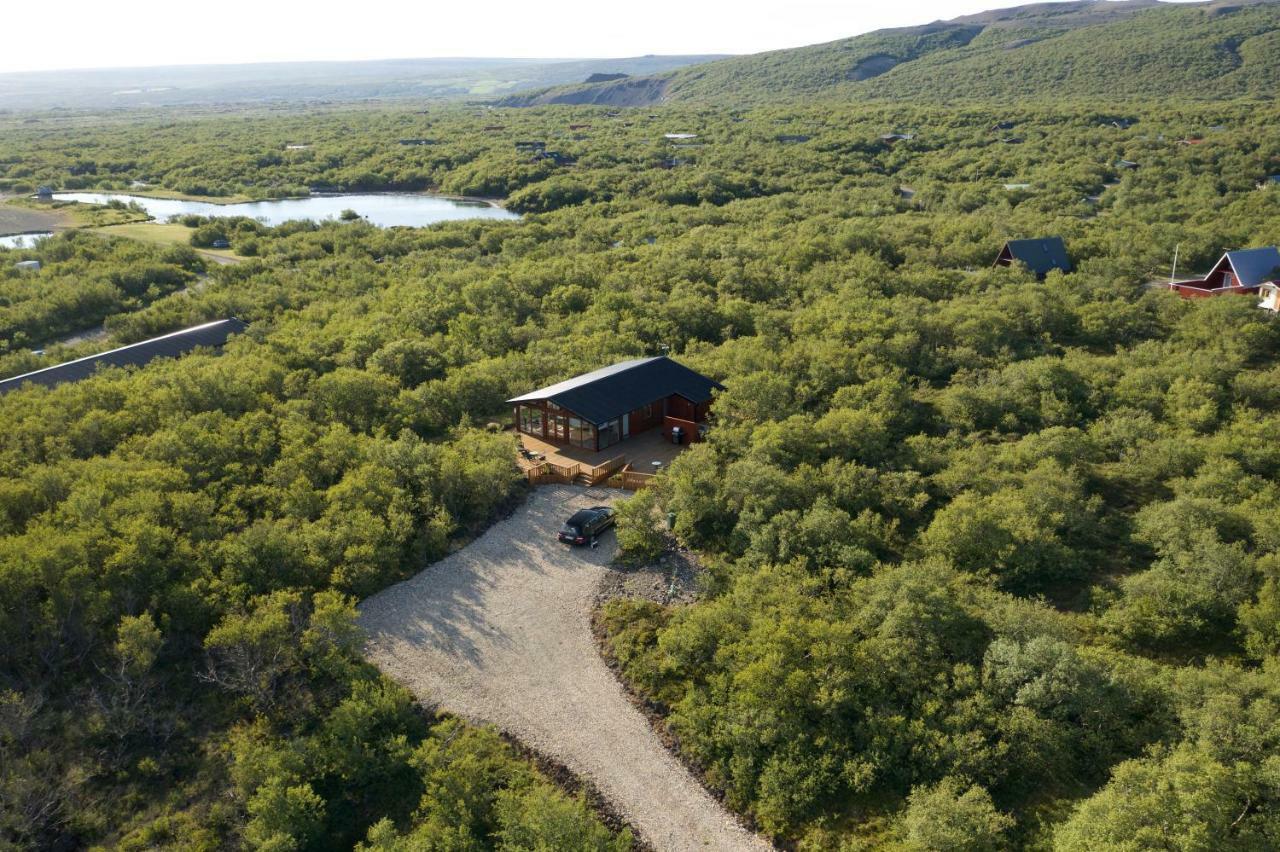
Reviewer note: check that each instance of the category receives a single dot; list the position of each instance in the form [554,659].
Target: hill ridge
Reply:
[1015,52]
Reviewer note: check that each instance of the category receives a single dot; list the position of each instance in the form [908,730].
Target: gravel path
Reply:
[499,632]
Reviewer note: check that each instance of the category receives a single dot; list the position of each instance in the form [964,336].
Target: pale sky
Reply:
[47,34]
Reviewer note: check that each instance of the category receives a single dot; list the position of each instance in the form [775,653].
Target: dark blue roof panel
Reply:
[1255,266]
[1041,254]
[610,392]
[211,334]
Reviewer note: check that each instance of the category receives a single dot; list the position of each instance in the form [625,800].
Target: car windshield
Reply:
[570,529]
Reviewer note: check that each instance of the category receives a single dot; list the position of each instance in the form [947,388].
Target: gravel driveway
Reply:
[499,632]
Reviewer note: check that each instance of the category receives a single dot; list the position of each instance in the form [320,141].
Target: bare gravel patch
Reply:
[674,578]
[500,633]
[25,220]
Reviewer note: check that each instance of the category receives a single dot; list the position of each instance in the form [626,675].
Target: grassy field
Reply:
[153,192]
[46,216]
[166,234]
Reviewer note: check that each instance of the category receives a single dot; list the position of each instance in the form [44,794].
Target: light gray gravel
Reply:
[499,632]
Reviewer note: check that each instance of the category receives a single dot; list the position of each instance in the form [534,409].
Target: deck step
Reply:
[582,479]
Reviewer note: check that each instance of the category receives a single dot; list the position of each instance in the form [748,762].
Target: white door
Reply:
[626,425]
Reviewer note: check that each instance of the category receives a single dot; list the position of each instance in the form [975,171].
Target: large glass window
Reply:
[581,433]
[531,420]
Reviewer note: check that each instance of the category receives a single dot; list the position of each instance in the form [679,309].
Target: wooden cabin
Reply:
[1243,272]
[1040,255]
[607,406]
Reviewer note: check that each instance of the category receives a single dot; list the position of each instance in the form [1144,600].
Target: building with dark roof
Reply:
[211,334]
[1040,255]
[606,406]
[1242,272]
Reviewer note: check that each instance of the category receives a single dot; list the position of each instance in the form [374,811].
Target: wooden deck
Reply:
[630,463]
[641,451]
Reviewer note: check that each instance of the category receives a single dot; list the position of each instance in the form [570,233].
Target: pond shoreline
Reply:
[383,209]
[228,200]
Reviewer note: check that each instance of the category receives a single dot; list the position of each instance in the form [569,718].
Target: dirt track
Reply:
[500,633]
[26,220]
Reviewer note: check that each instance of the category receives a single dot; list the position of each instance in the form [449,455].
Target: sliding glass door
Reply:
[610,434]
[531,421]
[558,427]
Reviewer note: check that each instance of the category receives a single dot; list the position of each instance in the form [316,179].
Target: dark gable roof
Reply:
[170,345]
[1040,255]
[1254,266]
[610,392]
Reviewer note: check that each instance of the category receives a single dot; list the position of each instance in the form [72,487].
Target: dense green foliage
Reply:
[991,558]
[82,281]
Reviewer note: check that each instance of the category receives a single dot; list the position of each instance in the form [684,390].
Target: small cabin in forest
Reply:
[1242,272]
[1040,255]
[607,406]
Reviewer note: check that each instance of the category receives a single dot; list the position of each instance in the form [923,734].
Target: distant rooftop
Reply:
[211,334]
[1040,255]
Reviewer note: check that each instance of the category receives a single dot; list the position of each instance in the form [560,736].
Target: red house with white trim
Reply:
[1242,272]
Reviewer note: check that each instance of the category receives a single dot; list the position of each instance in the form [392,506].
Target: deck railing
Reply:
[546,473]
[549,472]
[601,472]
[632,480]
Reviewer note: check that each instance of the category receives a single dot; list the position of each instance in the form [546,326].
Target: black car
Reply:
[586,524]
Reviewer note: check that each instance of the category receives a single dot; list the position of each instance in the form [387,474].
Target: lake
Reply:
[18,241]
[384,209]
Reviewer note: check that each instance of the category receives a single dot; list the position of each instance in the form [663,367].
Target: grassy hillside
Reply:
[1199,51]
[781,72]
[1085,48]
